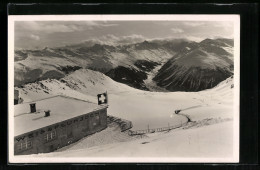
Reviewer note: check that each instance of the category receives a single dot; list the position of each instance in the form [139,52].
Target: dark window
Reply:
[50,136]
[15,101]
[102,111]
[24,145]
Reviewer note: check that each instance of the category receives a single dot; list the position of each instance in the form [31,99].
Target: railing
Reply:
[141,132]
[124,124]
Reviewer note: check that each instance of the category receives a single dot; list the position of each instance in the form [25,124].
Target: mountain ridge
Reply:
[129,64]
[196,67]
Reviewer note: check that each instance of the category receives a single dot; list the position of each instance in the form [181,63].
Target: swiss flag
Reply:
[102,98]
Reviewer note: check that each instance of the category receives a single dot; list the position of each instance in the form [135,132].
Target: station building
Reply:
[45,125]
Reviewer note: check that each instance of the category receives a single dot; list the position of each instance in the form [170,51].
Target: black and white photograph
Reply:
[123,88]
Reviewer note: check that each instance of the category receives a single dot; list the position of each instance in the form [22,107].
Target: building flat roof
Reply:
[61,108]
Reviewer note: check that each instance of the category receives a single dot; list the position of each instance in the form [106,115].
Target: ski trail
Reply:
[193,107]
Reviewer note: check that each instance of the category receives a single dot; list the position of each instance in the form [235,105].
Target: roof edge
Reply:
[59,95]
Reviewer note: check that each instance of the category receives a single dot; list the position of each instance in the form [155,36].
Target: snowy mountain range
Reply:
[173,65]
[198,66]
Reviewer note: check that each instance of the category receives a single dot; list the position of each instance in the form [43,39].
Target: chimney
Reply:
[47,113]
[33,107]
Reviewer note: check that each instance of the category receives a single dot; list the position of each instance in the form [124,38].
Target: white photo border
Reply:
[20,159]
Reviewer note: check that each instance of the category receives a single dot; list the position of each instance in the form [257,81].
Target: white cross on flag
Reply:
[102,98]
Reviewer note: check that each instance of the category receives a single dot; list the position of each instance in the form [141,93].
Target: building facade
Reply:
[60,134]
[16,96]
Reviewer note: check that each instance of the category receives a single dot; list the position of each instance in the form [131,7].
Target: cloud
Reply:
[177,30]
[131,39]
[193,38]
[46,27]
[222,24]
[111,39]
[54,27]
[107,25]
[35,37]
[60,26]
[193,23]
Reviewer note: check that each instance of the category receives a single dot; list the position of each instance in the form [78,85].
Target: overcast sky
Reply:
[40,34]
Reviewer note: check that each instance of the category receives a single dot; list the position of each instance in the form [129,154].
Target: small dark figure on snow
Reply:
[177,111]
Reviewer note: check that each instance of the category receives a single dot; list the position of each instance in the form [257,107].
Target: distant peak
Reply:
[46,48]
[206,40]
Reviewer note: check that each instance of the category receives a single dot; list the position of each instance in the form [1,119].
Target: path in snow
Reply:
[149,109]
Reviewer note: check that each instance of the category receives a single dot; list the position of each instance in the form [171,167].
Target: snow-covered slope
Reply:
[209,135]
[198,66]
[92,82]
[84,84]
[143,108]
